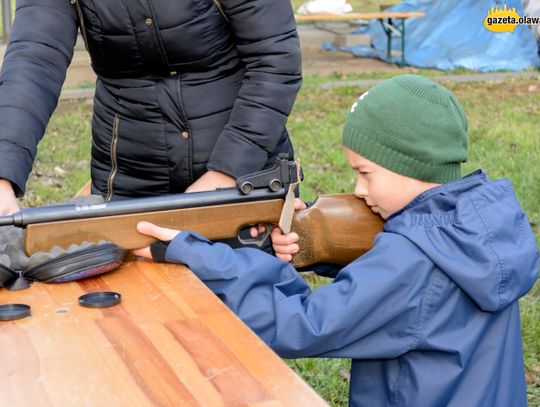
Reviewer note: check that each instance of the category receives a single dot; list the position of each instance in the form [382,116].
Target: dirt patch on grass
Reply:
[320,62]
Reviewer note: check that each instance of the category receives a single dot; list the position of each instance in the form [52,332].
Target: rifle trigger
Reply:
[287,213]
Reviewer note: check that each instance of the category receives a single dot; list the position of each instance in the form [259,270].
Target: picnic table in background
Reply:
[393,23]
[169,342]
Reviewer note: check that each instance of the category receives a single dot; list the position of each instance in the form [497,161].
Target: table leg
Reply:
[402,42]
[386,27]
[399,29]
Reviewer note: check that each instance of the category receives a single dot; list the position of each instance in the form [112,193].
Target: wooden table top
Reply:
[357,16]
[170,342]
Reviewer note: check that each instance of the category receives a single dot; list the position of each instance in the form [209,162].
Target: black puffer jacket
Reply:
[183,86]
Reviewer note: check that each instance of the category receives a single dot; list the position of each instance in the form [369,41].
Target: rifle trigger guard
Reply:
[260,239]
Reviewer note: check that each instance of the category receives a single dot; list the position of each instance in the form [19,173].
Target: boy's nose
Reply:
[360,191]
[359,194]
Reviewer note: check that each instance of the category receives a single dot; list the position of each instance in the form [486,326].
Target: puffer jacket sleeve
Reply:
[34,69]
[373,309]
[267,40]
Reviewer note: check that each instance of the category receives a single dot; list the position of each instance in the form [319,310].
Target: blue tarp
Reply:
[452,35]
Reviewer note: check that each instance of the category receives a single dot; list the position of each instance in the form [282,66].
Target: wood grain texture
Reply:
[336,229]
[170,342]
[85,190]
[357,16]
[214,222]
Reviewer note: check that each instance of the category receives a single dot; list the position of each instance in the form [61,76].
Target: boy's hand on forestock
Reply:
[285,245]
[8,201]
[163,234]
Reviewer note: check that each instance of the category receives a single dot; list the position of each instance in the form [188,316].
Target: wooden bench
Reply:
[393,23]
[170,342]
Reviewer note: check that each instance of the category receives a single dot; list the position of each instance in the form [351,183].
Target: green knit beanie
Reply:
[412,126]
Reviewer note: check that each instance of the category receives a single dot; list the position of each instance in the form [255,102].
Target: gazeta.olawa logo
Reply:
[506,19]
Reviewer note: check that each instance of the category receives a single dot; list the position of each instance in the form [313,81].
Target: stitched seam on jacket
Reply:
[211,165]
[6,56]
[11,143]
[26,111]
[157,33]
[425,312]
[262,105]
[45,7]
[285,74]
[133,33]
[292,31]
[243,139]
[416,338]
[490,238]
[49,93]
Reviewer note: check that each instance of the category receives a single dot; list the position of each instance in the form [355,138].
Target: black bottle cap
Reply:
[99,299]
[10,312]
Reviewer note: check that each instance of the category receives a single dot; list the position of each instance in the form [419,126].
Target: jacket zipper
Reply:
[81,21]
[220,7]
[114,162]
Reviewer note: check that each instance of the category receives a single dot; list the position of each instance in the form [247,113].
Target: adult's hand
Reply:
[212,180]
[8,201]
[285,245]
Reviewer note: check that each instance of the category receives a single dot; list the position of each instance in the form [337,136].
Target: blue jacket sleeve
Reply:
[267,41]
[373,309]
[34,68]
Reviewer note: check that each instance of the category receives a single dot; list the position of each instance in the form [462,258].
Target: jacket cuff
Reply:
[236,156]
[15,166]
[183,247]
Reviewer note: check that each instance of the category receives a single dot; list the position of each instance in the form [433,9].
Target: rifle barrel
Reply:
[6,220]
[55,213]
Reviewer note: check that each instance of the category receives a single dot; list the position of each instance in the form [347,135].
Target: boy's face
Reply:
[384,191]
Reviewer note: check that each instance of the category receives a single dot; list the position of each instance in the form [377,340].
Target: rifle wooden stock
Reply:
[336,228]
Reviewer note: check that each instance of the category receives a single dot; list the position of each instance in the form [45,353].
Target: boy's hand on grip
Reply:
[285,245]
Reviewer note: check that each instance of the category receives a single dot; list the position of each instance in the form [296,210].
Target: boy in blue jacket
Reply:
[430,315]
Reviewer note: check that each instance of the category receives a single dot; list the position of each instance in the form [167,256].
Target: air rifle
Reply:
[335,229]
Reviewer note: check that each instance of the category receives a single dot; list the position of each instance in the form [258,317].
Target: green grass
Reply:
[503,121]
[63,164]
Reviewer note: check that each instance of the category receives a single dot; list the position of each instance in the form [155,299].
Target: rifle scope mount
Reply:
[283,173]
